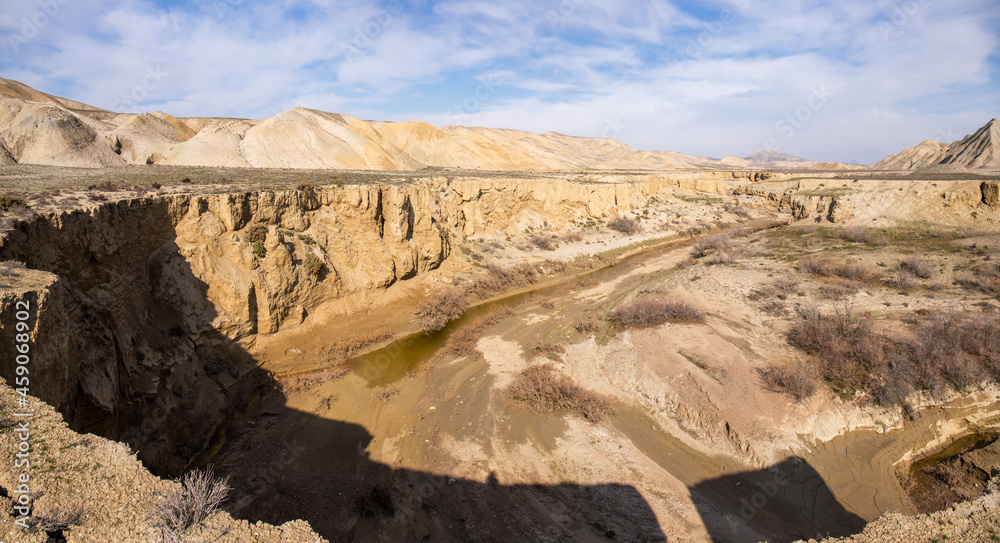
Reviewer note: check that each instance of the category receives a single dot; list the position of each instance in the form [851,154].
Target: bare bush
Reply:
[828,266]
[948,351]
[257,233]
[500,279]
[545,242]
[860,234]
[798,380]
[653,310]
[552,351]
[588,327]
[905,280]
[440,308]
[541,389]
[55,520]
[917,266]
[719,243]
[184,508]
[625,225]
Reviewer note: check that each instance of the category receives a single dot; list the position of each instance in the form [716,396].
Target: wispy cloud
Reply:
[707,78]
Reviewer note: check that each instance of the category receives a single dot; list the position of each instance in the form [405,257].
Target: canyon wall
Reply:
[145,322]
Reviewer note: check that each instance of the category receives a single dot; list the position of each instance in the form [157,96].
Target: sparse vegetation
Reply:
[463,341]
[625,225]
[655,309]
[540,389]
[348,348]
[440,308]
[184,508]
[710,245]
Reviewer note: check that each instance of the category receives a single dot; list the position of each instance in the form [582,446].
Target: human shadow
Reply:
[125,347]
[346,496]
[784,502]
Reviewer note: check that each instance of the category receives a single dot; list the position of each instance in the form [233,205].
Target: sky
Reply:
[832,81]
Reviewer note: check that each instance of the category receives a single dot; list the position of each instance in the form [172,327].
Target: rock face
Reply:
[991,193]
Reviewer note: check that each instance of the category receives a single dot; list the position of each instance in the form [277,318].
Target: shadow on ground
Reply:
[784,502]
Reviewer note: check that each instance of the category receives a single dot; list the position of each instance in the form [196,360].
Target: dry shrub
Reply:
[860,234]
[986,278]
[552,351]
[947,351]
[440,308]
[182,509]
[313,265]
[736,209]
[257,234]
[499,279]
[588,327]
[540,389]
[545,242]
[653,310]
[573,237]
[259,250]
[917,266]
[9,202]
[383,394]
[711,244]
[905,280]
[349,348]
[463,341]
[798,380]
[625,225]
[849,268]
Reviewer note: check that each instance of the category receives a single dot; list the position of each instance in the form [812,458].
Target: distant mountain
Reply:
[979,150]
[774,159]
[38,128]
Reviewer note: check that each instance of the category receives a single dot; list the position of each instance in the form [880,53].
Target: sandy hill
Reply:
[37,128]
[979,150]
[16,89]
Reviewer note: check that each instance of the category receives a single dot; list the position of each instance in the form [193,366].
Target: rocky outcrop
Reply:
[141,332]
[991,193]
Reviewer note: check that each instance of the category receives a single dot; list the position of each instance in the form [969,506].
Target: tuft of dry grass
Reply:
[439,308]
[197,499]
[655,309]
[860,234]
[540,389]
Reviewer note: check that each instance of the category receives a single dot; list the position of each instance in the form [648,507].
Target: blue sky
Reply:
[839,81]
